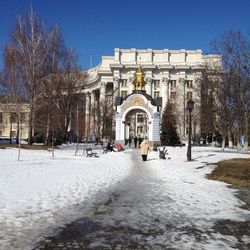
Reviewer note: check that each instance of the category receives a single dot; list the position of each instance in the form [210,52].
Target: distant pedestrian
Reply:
[135,141]
[140,140]
[129,141]
[110,147]
[144,149]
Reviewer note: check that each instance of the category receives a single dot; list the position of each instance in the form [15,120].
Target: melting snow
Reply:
[39,193]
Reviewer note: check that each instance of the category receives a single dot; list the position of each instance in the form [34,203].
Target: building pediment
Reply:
[135,101]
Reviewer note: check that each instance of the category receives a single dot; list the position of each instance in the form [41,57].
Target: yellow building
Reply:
[9,118]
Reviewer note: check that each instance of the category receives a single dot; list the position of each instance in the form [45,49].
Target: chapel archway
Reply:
[136,124]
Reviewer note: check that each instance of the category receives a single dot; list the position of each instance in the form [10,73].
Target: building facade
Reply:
[169,76]
[9,124]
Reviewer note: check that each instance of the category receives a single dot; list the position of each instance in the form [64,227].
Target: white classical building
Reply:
[170,75]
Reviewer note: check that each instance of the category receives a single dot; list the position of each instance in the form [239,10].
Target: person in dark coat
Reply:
[140,140]
[129,141]
[110,147]
[135,141]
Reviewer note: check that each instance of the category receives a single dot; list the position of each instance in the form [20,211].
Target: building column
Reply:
[92,117]
[101,104]
[183,82]
[148,86]
[87,118]
[102,91]
[116,86]
[130,84]
[165,91]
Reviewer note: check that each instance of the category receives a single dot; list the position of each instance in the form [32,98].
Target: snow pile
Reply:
[41,193]
[199,201]
[187,185]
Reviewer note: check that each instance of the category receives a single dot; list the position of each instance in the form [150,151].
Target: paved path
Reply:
[140,214]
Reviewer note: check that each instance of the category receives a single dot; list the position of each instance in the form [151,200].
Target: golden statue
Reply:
[139,82]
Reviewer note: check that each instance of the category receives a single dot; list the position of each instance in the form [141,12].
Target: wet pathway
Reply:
[140,213]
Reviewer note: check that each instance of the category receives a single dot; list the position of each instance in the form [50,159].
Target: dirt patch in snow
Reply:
[234,171]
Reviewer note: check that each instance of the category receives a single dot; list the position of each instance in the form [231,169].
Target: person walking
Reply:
[144,149]
[140,140]
[135,141]
[129,141]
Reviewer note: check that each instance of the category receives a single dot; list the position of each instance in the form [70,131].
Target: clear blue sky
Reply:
[95,27]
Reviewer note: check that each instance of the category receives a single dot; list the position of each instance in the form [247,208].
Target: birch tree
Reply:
[16,103]
[70,85]
[30,44]
[235,51]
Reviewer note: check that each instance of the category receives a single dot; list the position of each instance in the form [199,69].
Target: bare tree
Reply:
[70,85]
[16,103]
[104,113]
[235,51]
[47,101]
[29,46]
[46,71]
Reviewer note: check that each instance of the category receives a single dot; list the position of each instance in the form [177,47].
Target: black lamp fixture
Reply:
[190,107]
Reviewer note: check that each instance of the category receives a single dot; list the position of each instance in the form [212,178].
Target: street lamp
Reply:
[190,106]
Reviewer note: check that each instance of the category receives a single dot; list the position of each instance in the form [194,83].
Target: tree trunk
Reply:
[245,146]
[77,130]
[18,132]
[47,129]
[238,141]
[19,124]
[230,139]
[223,142]
[66,126]
[19,144]
[10,141]
[30,140]
[52,144]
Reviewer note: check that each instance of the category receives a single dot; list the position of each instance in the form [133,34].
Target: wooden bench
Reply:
[104,148]
[90,153]
[162,153]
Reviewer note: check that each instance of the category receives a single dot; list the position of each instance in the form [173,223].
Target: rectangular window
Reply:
[189,84]
[189,95]
[173,84]
[1,117]
[139,130]
[13,133]
[124,93]
[156,94]
[156,84]
[124,82]
[173,95]
[109,89]
[140,118]
[13,117]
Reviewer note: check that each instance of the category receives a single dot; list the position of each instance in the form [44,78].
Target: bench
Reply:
[162,153]
[90,153]
[104,148]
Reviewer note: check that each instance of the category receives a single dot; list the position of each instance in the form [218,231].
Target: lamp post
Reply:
[190,106]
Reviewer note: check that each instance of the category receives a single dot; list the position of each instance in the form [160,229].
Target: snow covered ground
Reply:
[41,193]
